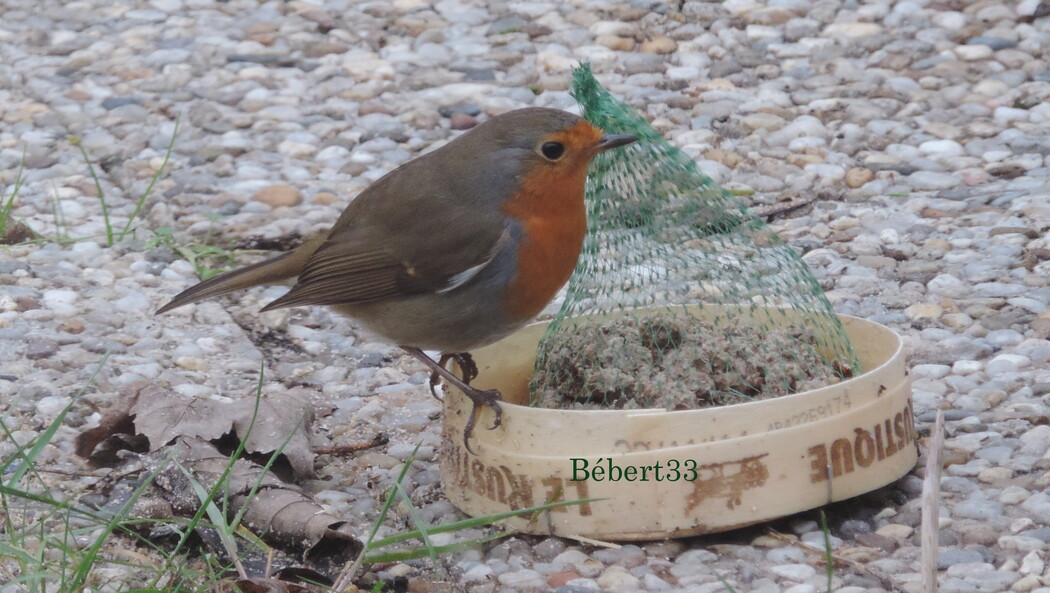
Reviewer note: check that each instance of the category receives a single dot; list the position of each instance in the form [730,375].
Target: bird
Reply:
[452,250]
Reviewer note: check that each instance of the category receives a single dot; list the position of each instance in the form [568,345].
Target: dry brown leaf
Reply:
[278,512]
[190,431]
[114,432]
[862,554]
[19,232]
[160,415]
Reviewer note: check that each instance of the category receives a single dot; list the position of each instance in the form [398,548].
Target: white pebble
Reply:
[1013,495]
[86,248]
[62,302]
[522,579]
[827,173]
[802,126]
[98,277]
[967,367]
[332,155]
[1031,304]
[932,180]
[972,53]
[793,572]
[1004,337]
[941,149]
[52,405]
[71,210]
[1006,363]
[994,156]
[479,574]
[296,149]
[133,300]
[890,236]
[948,285]
[1003,116]
[682,73]
[949,19]
[931,371]
[806,142]
[1021,543]
[853,29]
[610,28]
[1033,563]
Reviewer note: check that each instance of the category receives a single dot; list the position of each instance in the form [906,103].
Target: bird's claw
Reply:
[469,368]
[490,398]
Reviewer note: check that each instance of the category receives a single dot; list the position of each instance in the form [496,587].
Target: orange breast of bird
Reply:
[553,216]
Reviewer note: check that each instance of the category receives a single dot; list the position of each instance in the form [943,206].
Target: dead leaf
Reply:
[115,432]
[158,414]
[306,540]
[282,420]
[861,554]
[278,512]
[162,416]
[17,233]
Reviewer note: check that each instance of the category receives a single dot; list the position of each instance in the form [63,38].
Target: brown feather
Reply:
[284,266]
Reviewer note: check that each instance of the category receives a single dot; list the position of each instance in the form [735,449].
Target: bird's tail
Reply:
[284,266]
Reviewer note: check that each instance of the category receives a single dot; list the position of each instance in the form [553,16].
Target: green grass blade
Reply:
[6,491]
[217,516]
[29,459]
[38,444]
[725,584]
[214,491]
[482,521]
[829,560]
[7,551]
[273,456]
[87,561]
[349,571]
[433,551]
[75,141]
[9,205]
[421,525]
[153,181]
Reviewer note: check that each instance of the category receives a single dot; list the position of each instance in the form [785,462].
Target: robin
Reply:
[453,250]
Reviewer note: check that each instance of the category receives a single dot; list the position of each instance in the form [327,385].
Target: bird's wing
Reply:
[377,260]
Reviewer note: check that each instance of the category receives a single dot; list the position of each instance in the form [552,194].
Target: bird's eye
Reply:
[552,150]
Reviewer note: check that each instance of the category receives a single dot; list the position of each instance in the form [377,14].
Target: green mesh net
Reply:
[682,298]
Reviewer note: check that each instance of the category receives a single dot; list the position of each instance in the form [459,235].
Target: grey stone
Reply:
[996,43]
[39,348]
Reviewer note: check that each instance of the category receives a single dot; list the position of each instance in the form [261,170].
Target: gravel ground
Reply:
[920,126]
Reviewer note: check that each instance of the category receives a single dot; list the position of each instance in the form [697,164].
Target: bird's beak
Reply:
[608,141]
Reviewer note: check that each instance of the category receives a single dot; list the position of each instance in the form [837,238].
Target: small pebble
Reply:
[276,196]
[462,121]
[41,348]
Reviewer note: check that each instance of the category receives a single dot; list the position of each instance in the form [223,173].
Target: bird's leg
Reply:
[435,378]
[466,364]
[488,397]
